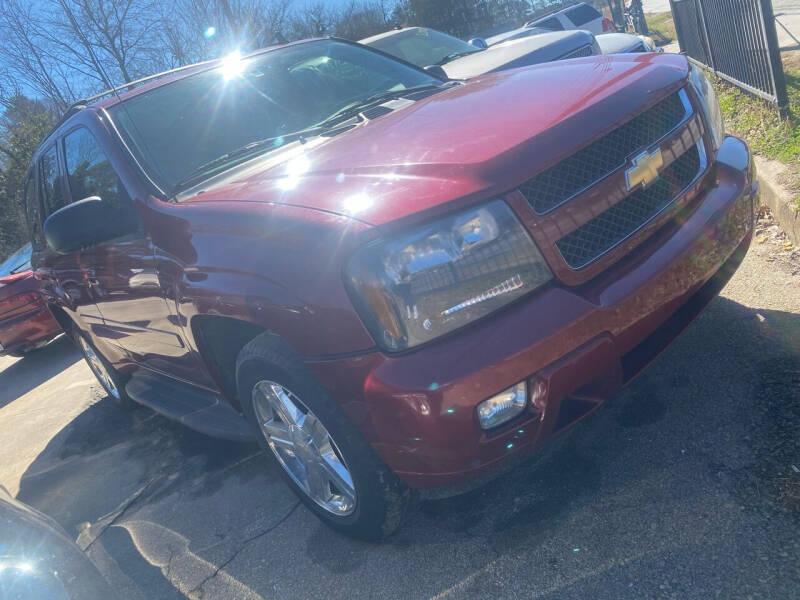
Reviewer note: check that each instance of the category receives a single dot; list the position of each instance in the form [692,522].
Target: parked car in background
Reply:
[25,321]
[578,16]
[608,43]
[624,43]
[39,561]
[396,284]
[461,60]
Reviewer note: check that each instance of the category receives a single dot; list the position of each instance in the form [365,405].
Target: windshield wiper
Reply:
[357,106]
[456,55]
[203,171]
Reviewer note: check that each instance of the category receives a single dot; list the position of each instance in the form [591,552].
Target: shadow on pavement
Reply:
[688,466]
[35,368]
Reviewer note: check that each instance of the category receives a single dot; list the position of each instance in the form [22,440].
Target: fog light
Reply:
[503,407]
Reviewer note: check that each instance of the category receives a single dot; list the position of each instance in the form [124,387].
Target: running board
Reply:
[193,407]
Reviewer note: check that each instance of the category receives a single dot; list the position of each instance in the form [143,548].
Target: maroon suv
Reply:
[391,281]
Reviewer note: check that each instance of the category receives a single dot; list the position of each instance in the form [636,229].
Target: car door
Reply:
[120,274]
[60,277]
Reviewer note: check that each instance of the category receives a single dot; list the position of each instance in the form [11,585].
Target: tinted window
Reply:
[553,24]
[179,127]
[17,262]
[32,213]
[583,13]
[49,172]
[88,170]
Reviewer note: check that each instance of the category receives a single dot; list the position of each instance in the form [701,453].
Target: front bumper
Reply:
[586,342]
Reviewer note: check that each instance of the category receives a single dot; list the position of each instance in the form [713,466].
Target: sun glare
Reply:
[232,65]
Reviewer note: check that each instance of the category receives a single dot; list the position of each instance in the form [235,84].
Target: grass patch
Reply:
[758,123]
[661,27]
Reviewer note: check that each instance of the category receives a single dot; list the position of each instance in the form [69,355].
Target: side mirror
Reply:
[437,71]
[85,223]
[479,43]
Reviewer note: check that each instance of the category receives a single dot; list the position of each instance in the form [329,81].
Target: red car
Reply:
[25,321]
[395,283]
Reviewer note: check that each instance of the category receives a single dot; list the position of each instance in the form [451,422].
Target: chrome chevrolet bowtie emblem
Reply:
[644,169]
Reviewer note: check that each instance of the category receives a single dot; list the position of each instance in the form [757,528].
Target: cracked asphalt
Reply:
[685,486]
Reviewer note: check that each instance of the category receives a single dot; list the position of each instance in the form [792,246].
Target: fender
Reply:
[249,261]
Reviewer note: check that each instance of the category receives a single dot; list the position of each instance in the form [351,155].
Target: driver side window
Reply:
[89,171]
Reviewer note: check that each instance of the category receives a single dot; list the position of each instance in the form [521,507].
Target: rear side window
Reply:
[88,170]
[32,213]
[50,173]
[583,13]
[553,24]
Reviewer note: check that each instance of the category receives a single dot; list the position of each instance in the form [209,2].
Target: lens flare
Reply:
[231,65]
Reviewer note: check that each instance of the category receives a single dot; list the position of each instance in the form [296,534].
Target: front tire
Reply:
[322,456]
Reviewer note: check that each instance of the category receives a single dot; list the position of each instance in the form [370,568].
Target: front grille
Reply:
[601,234]
[582,51]
[575,173]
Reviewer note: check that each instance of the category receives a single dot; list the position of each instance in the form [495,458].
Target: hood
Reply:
[470,142]
[521,52]
[616,43]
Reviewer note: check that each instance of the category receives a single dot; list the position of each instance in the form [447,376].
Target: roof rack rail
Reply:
[142,80]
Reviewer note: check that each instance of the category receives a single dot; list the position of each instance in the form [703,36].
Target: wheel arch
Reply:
[219,340]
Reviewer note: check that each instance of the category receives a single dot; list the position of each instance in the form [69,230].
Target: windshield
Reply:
[423,47]
[182,125]
[17,262]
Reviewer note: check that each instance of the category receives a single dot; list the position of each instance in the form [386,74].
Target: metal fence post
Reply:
[709,50]
[776,65]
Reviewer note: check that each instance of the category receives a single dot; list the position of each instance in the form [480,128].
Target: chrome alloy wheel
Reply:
[304,448]
[98,368]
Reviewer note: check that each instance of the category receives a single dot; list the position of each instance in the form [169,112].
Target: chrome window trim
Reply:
[701,151]
[688,113]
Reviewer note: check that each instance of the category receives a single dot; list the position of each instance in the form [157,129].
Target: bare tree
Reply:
[114,41]
[27,57]
[362,19]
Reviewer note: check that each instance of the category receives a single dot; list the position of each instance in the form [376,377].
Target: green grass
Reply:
[661,27]
[758,123]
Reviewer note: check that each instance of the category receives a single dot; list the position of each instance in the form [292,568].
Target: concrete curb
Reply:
[774,196]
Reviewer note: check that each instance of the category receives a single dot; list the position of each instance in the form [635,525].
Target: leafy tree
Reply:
[23,124]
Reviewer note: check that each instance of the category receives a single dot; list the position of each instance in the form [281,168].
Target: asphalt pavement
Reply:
[685,486]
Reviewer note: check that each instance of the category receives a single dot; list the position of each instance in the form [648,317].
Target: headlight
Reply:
[417,286]
[709,104]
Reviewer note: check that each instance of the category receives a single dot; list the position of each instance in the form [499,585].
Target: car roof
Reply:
[390,33]
[558,12]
